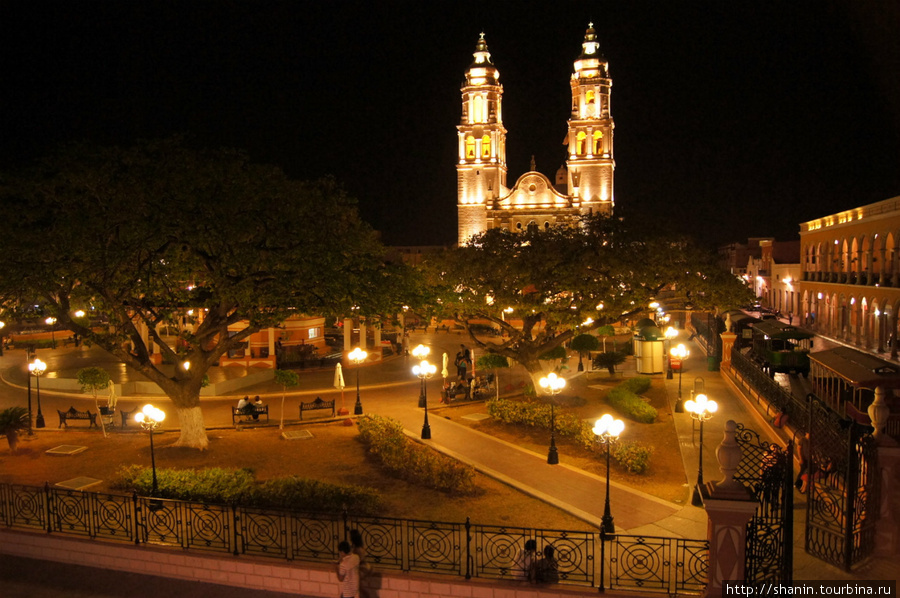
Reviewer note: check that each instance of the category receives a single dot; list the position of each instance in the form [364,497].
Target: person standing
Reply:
[526,559]
[347,569]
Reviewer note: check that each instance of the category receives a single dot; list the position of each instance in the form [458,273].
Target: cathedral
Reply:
[584,185]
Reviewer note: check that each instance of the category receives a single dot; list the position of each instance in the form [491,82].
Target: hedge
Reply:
[537,415]
[629,404]
[412,461]
[237,486]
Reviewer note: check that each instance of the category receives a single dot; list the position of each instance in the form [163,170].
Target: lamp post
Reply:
[149,418]
[37,369]
[50,322]
[553,384]
[701,409]
[680,353]
[420,353]
[607,430]
[2,326]
[425,371]
[670,333]
[357,356]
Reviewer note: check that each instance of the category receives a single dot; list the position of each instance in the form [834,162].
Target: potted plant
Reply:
[12,421]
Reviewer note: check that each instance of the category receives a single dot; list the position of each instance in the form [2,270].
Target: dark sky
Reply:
[732,118]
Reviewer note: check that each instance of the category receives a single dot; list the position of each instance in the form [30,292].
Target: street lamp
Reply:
[357,356]
[607,430]
[2,326]
[670,333]
[425,371]
[420,353]
[553,384]
[680,353]
[37,369]
[701,409]
[149,418]
[50,322]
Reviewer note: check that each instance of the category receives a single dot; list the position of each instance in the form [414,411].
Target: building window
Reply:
[579,147]
[590,96]
[486,146]
[479,109]
[470,148]
[598,141]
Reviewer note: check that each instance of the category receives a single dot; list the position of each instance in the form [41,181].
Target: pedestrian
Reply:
[790,318]
[359,549]
[460,363]
[548,567]
[526,560]
[347,568]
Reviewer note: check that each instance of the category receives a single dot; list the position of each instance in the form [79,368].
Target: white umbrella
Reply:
[444,371]
[339,383]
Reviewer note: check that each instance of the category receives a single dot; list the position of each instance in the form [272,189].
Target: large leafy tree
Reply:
[143,235]
[543,287]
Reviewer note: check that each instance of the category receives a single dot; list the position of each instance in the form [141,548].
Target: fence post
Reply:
[468,549]
[602,560]
[49,510]
[235,522]
[137,522]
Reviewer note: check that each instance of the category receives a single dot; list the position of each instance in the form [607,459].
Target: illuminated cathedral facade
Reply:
[584,185]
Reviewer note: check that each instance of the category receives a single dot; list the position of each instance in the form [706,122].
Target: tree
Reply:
[544,287]
[584,343]
[285,378]
[93,379]
[609,360]
[185,252]
[492,361]
[12,421]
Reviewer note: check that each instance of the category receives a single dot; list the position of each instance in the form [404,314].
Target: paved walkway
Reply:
[389,389]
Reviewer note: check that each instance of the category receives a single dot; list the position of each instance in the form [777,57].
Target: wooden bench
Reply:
[243,414]
[316,405]
[74,414]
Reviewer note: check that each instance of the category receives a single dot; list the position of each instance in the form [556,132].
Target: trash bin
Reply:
[712,364]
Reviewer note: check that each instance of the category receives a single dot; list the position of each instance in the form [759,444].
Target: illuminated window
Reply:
[579,147]
[598,142]
[479,109]
[470,148]
[590,96]
[315,332]
[486,146]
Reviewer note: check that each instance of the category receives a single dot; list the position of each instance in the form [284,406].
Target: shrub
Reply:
[238,486]
[638,385]
[411,461]
[538,415]
[609,360]
[631,405]
[633,456]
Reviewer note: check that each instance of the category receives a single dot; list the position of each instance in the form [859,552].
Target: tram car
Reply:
[780,347]
[741,323]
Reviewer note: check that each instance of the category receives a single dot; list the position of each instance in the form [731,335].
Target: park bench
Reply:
[316,405]
[74,414]
[239,414]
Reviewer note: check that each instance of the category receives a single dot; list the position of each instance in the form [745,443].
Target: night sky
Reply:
[733,119]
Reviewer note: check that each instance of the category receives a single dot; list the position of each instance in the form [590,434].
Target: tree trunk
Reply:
[193,432]
[12,437]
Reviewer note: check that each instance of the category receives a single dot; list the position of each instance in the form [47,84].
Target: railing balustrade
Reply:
[654,564]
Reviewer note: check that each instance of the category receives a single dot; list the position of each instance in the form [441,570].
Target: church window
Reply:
[470,148]
[518,226]
[479,109]
[546,226]
[486,146]
[580,147]
[590,96]
[598,141]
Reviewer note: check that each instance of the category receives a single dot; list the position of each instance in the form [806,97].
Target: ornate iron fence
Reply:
[751,376]
[666,565]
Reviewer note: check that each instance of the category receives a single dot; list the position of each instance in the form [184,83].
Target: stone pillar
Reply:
[362,334]
[377,347]
[729,506]
[887,533]
[272,356]
[728,339]
[348,334]
[881,266]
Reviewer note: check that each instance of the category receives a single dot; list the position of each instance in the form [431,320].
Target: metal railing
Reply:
[751,376]
[665,565]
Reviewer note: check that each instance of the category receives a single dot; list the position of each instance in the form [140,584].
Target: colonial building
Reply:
[850,287]
[583,186]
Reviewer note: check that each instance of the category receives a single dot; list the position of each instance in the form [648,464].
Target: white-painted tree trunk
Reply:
[193,431]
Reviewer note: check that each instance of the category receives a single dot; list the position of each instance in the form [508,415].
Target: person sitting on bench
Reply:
[246,407]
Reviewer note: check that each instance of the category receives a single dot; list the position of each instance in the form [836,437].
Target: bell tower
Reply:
[481,168]
[590,162]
